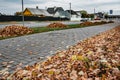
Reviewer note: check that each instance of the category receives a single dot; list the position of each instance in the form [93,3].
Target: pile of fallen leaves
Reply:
[86,23]
[96,58]
[94,23]
[14,30]
[57,25]
[110,21]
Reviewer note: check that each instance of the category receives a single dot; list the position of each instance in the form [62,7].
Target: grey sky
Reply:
[11,6]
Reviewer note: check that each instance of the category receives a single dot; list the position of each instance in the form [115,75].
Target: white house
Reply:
[74,15]
[62,14]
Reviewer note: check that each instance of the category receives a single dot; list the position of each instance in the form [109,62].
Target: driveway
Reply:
[26,50]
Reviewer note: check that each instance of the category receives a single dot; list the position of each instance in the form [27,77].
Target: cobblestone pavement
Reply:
[27,50]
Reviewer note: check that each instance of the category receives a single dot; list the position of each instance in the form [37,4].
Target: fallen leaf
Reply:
[73,75]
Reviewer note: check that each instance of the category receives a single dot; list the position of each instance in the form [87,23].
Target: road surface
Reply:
[35,24]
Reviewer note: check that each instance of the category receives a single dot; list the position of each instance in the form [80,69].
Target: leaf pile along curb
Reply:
[96,58]
[14,30]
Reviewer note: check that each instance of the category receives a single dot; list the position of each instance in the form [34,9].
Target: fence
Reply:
[4,18]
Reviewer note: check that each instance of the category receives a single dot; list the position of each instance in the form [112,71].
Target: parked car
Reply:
[84,19]
[97,19]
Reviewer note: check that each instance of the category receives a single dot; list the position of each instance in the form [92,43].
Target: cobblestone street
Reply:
[27,50]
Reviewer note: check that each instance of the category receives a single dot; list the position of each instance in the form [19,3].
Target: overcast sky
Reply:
[11,6]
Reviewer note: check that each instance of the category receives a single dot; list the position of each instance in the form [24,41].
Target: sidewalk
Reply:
[27,50]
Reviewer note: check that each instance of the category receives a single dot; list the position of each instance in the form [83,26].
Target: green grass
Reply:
[45,29]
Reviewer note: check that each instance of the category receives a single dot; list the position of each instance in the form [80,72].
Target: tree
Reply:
[91,16]
[18,13]
[84,14]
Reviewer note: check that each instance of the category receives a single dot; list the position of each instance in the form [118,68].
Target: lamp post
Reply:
[22,12]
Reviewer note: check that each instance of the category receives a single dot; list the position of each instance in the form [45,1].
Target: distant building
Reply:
[98,15]
[74,15]
[114,15]
[36,12]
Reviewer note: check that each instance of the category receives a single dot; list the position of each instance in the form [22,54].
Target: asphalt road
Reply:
[35,24]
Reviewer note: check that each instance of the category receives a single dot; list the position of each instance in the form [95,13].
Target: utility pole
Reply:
[22,12]
[94,13]
[70,11]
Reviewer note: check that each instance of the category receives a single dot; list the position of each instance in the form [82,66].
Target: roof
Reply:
[64,13]
[72,12]
[36,11]
[53,10]
[78,12]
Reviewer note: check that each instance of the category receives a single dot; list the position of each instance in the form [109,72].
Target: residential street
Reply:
[35,24]
[27,50]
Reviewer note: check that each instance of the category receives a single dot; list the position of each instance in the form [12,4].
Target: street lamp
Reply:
[22,13]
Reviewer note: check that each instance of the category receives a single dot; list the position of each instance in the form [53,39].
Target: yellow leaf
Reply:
[103,77]
[74,57]
[37,66]
[90,52]
[34,73]
[61,55]
[51,72]
[80,58]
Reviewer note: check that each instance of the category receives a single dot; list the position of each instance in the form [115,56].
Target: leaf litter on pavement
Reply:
[95,58]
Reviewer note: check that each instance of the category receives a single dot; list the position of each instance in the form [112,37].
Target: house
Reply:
[78,12]
[62,14]
[53,10]
[98,15]
[74,15]
[36,12]
[58,12]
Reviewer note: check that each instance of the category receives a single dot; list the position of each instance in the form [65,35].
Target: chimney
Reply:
[36,7]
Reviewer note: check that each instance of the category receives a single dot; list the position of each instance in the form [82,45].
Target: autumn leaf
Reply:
[73,75]
[80,58]
[74,57]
